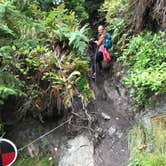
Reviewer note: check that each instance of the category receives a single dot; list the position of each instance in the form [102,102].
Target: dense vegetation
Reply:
[145,57]
[144,54]
[43,63]
[139,44]
[147,143]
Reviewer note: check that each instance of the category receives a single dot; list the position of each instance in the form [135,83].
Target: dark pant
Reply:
[97,60]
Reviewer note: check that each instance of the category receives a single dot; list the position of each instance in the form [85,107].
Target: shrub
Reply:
[45,56]
[147,143]
[144,56]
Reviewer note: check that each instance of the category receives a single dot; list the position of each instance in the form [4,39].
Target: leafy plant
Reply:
[147,145]
[9,86]
[145,58]
[78,7]
[115,26]
[78,40]
[46,57]
[117,21]
[28,161]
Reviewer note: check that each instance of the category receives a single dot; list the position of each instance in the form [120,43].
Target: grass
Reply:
[28,161]
[148,144]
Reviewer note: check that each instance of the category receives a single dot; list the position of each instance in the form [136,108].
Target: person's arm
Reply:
[101,39]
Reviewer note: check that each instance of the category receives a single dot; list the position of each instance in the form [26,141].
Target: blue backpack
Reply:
[108,42]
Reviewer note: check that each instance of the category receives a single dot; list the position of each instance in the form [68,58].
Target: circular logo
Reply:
[8,152]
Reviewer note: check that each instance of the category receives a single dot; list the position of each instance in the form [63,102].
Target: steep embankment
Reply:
[112,99]
[107,146]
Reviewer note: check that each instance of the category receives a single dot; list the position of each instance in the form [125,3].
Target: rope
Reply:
[47,133]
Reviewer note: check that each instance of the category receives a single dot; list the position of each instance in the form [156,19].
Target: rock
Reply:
[79,153]
[119,134]
[159,106]
[99,109]
[105,116]
[104,96]
[56,149]
[111,131]
[99,130]
[149,147]
[147,123]
[50,158]
[117,118]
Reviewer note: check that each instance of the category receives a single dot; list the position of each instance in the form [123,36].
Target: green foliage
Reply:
[78,40]
[7,14]
[78,7]
[144,55]
[113,7]
[83,87]
[10,86]
[84,9]
[142,135]
[145,58]
[149,160]
[14,25]
[92,8]
[117,14]
[61,16]
[116,26]
[28,161]
[44,53]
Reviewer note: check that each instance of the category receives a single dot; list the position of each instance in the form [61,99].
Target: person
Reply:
[99,54]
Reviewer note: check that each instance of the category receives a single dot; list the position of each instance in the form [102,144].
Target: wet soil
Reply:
[112,99]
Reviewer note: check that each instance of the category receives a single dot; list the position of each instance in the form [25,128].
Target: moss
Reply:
[28,161]
[141,137]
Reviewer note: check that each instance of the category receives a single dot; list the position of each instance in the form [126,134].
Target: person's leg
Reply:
[99,59]
[93,64]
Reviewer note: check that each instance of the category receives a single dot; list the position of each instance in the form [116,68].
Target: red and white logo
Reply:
[8,152]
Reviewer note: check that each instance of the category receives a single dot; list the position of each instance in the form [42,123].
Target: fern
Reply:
[32,67]
[78,40]
[5,92]
[4,29]
[10,86]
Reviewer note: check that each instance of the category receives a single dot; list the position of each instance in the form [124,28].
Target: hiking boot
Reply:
[93,75]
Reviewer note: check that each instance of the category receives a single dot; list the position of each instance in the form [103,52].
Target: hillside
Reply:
[53,110]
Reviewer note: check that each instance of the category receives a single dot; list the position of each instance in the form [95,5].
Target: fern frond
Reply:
[4,29]
[78,39]
[4,92]
[73,75]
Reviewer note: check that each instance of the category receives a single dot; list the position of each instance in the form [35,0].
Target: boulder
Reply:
[79,152]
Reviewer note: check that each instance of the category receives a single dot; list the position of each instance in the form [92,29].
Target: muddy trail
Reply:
[115,117]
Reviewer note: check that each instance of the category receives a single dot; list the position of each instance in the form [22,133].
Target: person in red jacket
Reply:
[100,45]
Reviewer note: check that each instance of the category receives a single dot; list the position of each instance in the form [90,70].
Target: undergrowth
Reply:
[144,56]
[42,57]
[147,143]
[28,161]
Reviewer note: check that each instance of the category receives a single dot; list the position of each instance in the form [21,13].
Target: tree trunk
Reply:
[149,14]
